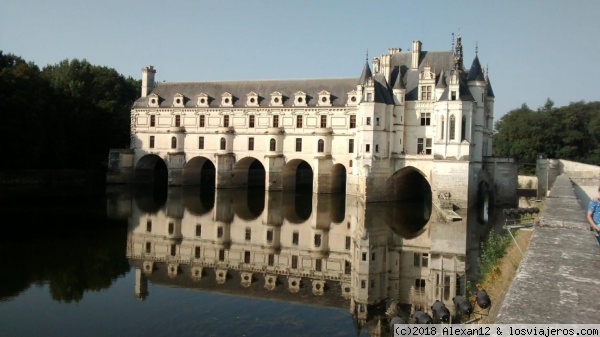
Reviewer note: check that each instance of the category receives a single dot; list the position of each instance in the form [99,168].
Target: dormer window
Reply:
[153,100]
[203,100]
[276,99]
[324,98]
[352,98]
[226,100]
[252,99]
[178,101]
[300,98]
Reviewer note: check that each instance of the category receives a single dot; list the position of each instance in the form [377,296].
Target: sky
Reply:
[534,50]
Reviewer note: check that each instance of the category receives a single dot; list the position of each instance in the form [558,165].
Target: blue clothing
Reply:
[594,207]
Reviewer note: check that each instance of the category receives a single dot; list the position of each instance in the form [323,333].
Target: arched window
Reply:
[173,142]
[452,130]
[223,143]
[320,146]
[442,126]
[272,144]
[463,129]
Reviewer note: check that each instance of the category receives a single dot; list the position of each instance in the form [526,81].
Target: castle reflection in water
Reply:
[321,249]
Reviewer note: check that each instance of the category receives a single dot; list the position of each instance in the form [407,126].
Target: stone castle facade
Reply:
[414,122]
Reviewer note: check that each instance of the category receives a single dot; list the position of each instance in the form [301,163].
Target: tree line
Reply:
[570,132]
[64,116]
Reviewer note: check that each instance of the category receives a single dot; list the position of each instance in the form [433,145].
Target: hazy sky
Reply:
[534,49]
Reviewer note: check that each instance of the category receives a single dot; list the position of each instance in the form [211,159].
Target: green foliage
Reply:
[65,116]
[570,132]
[492,250]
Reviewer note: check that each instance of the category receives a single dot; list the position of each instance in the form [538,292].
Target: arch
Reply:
[483,202]
[249,172]
[338,179]
[409,184]
[297,175]
[442,127]
[297,207]
[149,199]
[463,128]
[151,169]
[272,145]
[199,171]
[223,143]
[173,142]
[248,205]
[452,131]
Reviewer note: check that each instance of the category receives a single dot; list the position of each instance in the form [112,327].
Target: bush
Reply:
[492,250]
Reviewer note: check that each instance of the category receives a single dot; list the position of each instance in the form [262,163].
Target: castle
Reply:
[414,124]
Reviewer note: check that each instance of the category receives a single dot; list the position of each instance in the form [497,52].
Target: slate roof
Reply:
[337,87]
[476,71]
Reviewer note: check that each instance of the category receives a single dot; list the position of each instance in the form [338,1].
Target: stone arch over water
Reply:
[249,172]
[199,171]
[298,175]
[409,184]
[151,169]
[338,179]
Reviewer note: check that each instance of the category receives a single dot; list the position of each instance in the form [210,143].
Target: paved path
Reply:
[558,280]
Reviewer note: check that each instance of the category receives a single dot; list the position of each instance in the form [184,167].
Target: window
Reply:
[442,127]
[151,142]
[347,267]
[148,247]
[246,257]
[202,118]
[426,93]
[178,120]
[425,118]
[248,233]
[317,240]
[152,120]
[376,148]
[369,97]
[295,238]
[367,148]
[453,96]
[221,254]
[420,284]
[219,232]
[223,144]
[351,146]
[350,163]
[377,121]
[173,142]
[298,144]
[171,228]
[198,230]
[318,264]
[463,129]
[251,121]
[298,121]
[320,145]
[452,130]
[348,242]
[428,142]
[201,143]
[271,260]
[372,256]
[173,249]
[421,260]
[226,121]
[424,145]
[323,121]
[372,283]
[364,256]
[197,252]
[353,122]
[270,236]
[294,261]
[276,121]
[251,144]
[272,145]
[363,284]
[446,287]
[149,226]
[368,120]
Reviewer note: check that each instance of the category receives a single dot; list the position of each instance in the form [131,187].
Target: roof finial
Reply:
[476,47]
[452,41]
[367,57]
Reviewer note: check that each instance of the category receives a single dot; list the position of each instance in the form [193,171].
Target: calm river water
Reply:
[185,262]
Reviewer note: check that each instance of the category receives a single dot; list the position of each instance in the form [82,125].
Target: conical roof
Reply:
[366,76]
[399,84]
[441,83]
[476,71]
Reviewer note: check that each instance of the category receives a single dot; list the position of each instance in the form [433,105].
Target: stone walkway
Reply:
[558,281]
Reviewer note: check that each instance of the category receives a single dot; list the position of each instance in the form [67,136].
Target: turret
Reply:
[440,86]
[399,90]
[147,80]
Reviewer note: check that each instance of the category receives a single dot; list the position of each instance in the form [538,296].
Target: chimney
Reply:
[416,51]
[147,80]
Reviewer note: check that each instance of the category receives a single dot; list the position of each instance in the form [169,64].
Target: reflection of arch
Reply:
[297,207]
[409,184]
[150,199]
[197,200]
[151,169]
[407,219]
[338,179]
[248,204]
[249,172]
[338,207]
[199,171]
[483,202]
[297,175]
